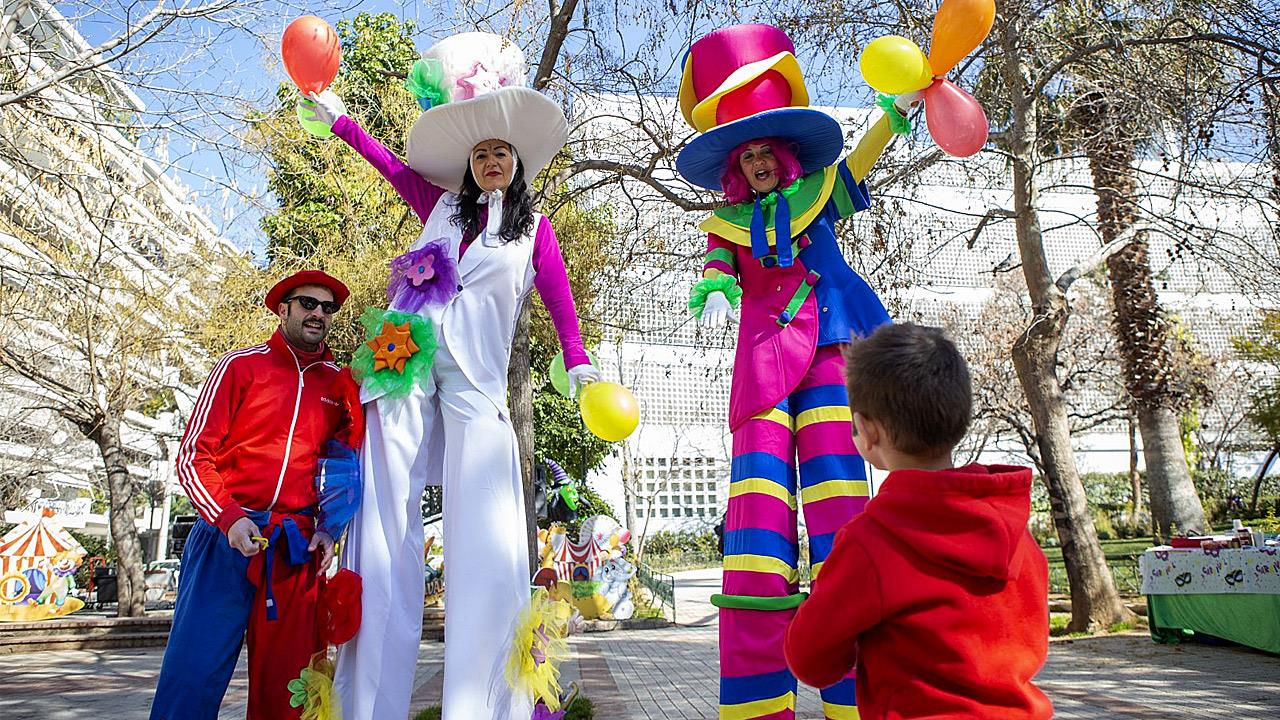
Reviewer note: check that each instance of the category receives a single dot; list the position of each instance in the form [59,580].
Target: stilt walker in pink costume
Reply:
[458,291]
[774,248]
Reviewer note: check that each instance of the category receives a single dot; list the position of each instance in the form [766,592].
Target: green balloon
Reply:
[316,127]
[560,375]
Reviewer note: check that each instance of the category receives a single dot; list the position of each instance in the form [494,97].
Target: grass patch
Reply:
[1058,624]
[431,713]
[581,709]
[1122,626]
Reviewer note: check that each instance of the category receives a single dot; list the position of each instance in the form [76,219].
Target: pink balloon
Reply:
[956,120]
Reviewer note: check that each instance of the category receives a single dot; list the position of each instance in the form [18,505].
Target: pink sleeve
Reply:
[721,256]
[421,195]
[552,282]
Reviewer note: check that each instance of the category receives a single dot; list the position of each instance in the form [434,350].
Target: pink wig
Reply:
[735,185]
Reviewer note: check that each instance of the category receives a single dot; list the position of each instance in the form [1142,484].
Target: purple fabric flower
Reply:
[426,276]
[540,712]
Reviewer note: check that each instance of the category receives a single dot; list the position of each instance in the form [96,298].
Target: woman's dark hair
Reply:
[517,207]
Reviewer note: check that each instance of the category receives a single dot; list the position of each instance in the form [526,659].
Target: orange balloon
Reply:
[961,26]
[311,53]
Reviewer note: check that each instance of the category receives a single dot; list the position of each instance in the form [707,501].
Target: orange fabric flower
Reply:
[393,347]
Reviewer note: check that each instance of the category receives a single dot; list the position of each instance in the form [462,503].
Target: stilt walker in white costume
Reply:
[460,288]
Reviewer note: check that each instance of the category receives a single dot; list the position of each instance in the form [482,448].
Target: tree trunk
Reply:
[1156,382]
[1095,604]
[131,587]
[1263,471]
[520,399]
[1174,501]
[1135,479]
[1094,601]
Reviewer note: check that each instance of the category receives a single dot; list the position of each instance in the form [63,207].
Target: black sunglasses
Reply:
[307,302]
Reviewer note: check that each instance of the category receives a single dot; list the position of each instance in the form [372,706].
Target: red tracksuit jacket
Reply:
[939,594]
[259,427]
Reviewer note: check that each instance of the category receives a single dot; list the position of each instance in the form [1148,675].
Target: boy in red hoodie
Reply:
[952,613]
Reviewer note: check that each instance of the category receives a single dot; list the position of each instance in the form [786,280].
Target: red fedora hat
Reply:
[281,290]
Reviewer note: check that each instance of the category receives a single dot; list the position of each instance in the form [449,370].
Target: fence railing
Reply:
[662,587]
[1124,568]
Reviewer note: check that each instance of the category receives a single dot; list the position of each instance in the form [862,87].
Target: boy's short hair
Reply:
[914,382]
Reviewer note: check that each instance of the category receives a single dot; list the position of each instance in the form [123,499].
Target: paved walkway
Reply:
[671,673]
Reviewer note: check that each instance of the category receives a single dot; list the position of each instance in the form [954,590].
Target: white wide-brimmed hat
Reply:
[473,88]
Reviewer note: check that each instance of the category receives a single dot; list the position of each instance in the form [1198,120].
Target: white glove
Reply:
[579,376]
[905,102]
[325,107]
[717,310]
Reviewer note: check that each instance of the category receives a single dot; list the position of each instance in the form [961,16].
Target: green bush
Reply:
[1041,526]
[670,542]
[1102,523]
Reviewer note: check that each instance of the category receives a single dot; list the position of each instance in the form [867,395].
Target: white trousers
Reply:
[456,433]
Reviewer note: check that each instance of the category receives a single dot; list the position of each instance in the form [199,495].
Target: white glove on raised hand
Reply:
[325,107]
[717,311]
[579,376]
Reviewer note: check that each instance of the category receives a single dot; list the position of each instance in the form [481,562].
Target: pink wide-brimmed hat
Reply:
[741,83]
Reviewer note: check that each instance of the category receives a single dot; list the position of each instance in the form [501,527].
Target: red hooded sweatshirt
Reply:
[939,594]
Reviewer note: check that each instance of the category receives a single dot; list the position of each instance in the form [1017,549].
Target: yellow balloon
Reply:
[609,410]
[894,65]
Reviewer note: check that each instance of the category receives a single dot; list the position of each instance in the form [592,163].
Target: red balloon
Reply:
[311,53]
[956,120]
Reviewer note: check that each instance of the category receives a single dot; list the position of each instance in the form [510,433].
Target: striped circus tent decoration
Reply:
[34,542]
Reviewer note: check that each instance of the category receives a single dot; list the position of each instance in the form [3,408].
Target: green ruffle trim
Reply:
[426,82]
[898,122]
[749,602]
[726,284]
[417,369]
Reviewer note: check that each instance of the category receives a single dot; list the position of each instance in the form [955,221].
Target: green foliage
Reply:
[333,211]
[584,236]
[1111,501]
[372,47]
[1268,524]
[94,546]
[558,434]
[1222,494]
[1058,624]
[1122,626]
[669,541]
[1262,345]
[1102,523]
[581,709]
[1110,491]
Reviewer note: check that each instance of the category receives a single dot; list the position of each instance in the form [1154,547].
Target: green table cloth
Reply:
[1230,594]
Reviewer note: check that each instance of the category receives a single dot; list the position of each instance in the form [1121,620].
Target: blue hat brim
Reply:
[817,135]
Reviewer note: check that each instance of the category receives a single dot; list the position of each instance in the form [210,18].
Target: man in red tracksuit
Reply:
[248,463]
[951,618]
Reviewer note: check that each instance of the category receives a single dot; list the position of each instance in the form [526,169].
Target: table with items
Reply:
[1224,592]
